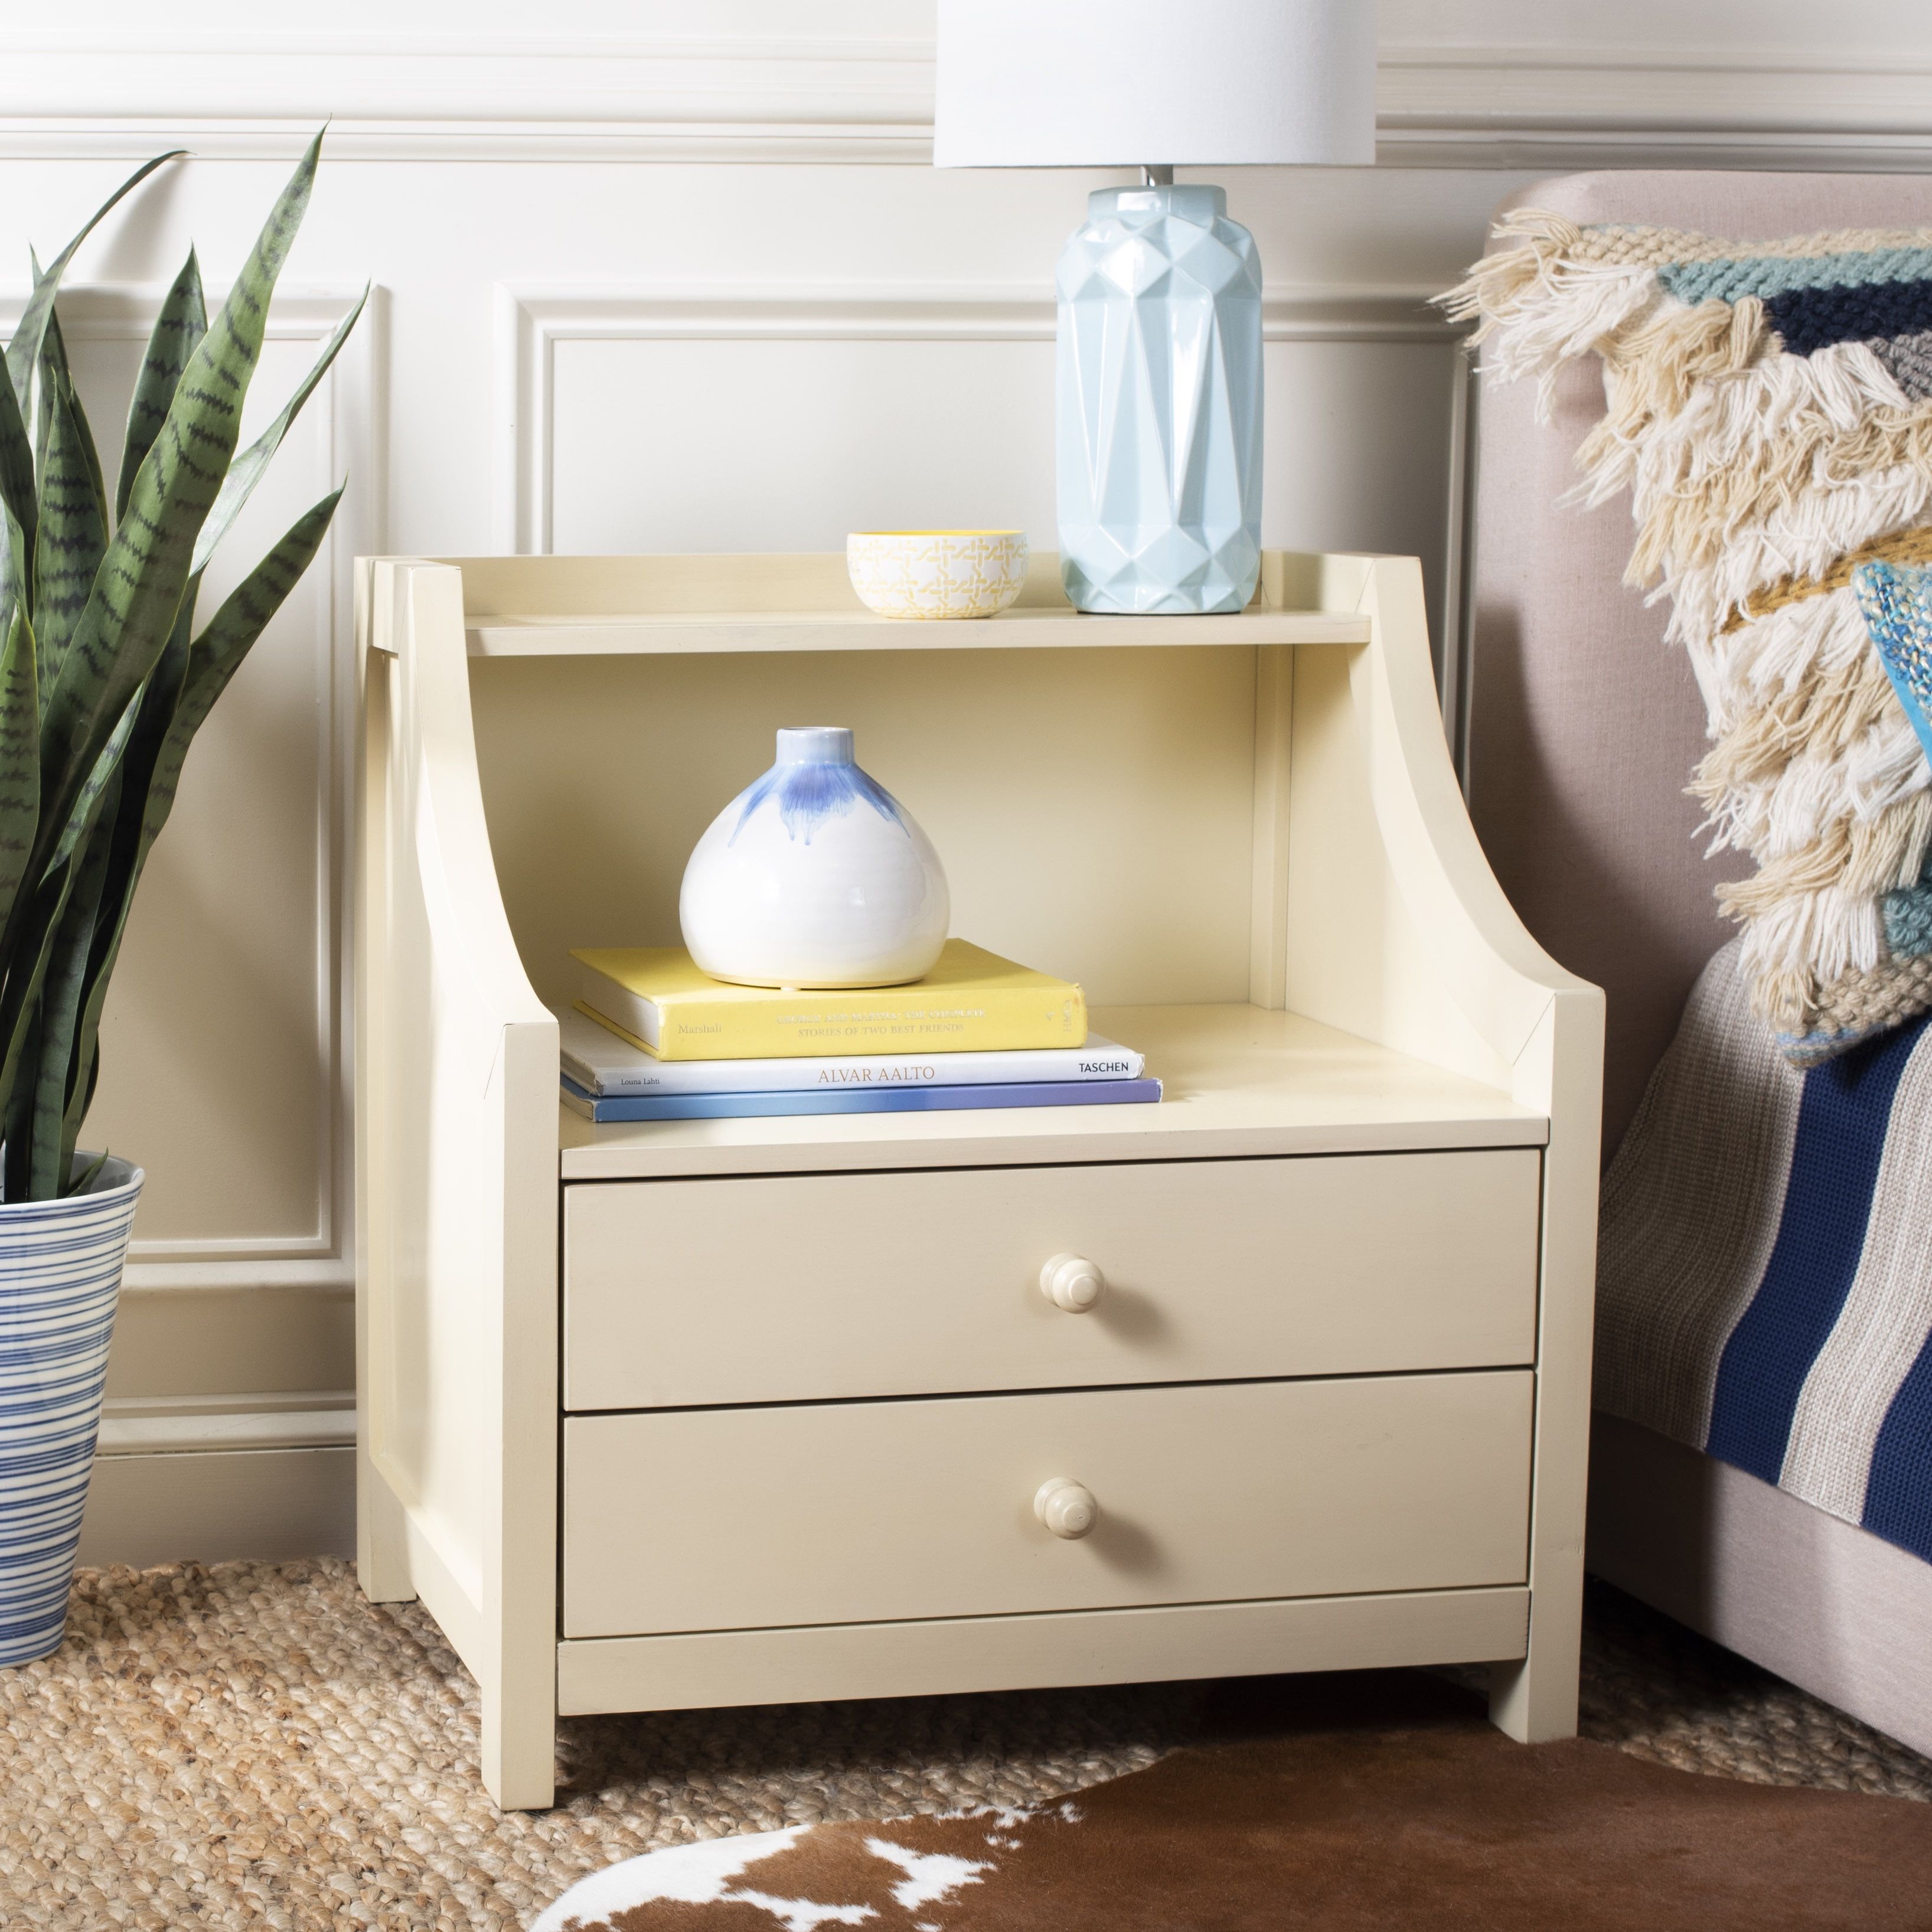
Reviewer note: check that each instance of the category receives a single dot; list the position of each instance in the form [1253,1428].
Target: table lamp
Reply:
[1159,379]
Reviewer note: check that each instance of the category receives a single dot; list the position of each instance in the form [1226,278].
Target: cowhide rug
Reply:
[1351,1803]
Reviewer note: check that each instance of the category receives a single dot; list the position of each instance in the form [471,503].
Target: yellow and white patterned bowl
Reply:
[936,573]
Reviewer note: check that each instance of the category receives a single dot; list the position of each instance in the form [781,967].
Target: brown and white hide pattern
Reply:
[905,1876]
[1348,1818]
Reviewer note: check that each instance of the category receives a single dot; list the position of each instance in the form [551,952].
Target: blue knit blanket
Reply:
[1764,1273]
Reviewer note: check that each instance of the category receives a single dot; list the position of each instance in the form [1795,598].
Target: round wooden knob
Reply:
[1073,1282]
[1066,1508]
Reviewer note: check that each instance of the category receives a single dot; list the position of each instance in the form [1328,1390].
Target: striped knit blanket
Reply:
[1764,1271]
[1768,408]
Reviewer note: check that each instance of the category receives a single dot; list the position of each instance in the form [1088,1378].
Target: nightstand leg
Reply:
[519,1746]
[1561,1069]
[1534,1698]
[381,1548]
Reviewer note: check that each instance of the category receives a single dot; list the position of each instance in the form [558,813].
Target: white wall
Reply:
[679,277]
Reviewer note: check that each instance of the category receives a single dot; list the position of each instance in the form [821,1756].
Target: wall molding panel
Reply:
[1565,107]
[472,97]
[267,1505]
[466,97]
[531,322]
[177,1425]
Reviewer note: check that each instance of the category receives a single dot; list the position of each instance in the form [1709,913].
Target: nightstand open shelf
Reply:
[1241,1082]
[1334,1399]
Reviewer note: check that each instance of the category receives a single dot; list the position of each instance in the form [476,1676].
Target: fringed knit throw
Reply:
[1769,410]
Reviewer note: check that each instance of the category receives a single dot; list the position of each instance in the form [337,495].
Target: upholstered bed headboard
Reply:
[1583,724]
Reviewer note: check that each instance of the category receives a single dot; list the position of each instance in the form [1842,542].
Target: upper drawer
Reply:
[795,1287]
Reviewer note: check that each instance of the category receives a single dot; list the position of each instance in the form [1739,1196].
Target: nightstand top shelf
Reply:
[1020,629]
[677,606]
[1241,1082]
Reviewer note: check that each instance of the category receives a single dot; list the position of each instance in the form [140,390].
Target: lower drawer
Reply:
[866,1512]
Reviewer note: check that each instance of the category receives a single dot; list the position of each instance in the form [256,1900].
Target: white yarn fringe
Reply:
[1778,653]
[1885,765]
[1746,466]
[1803,537]
[1759,425]
[1578,305]
[1828,933]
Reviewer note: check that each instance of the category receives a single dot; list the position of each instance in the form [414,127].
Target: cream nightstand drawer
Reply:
[863,1512]
[797,1287]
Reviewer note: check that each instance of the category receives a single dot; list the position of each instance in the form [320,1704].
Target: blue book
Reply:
[857,1100]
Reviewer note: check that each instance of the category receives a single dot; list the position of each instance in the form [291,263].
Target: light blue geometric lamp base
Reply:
[1159,404]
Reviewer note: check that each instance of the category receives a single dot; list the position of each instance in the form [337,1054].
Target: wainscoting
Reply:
[260,1476]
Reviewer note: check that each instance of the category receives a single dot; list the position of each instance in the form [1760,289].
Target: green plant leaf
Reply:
[56,376]
[153,717]
[73,522]
[34,923]
[23,352]
[135,682]
[63,986]
[83,1080]
[38,913]
[19,756]
[87,805]
[80,1183]
[176,335]
[246,471]
[17,1155]
[43,404]
[13,588]
[186,683]
[231,632]
[17,493]
[142,580]
[160,746]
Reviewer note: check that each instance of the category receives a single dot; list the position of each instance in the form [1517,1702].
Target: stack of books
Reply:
[651,1038]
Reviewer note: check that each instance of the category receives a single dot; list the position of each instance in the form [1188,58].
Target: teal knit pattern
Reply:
[1764,276]
[1898,606]
[1908,918]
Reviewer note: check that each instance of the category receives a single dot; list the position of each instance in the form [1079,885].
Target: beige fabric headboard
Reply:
[1583,724]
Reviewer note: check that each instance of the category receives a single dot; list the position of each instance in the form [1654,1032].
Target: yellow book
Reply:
[972,1001]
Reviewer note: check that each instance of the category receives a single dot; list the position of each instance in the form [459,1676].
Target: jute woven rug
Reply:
[249,1745]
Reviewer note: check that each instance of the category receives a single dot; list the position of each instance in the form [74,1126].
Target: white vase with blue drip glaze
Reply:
[814,876]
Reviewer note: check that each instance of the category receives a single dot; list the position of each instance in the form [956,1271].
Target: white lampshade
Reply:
[1129,83]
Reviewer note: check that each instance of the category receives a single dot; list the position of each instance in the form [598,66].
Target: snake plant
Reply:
[104,678]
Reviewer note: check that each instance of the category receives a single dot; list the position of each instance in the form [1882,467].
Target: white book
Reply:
[600,1063]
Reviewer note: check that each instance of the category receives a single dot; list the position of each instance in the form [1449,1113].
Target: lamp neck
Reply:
[1195,201]
[1157,177]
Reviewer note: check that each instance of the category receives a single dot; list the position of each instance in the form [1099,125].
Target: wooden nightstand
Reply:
[725,1411]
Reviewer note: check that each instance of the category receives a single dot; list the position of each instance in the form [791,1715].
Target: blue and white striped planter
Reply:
[60,1278]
